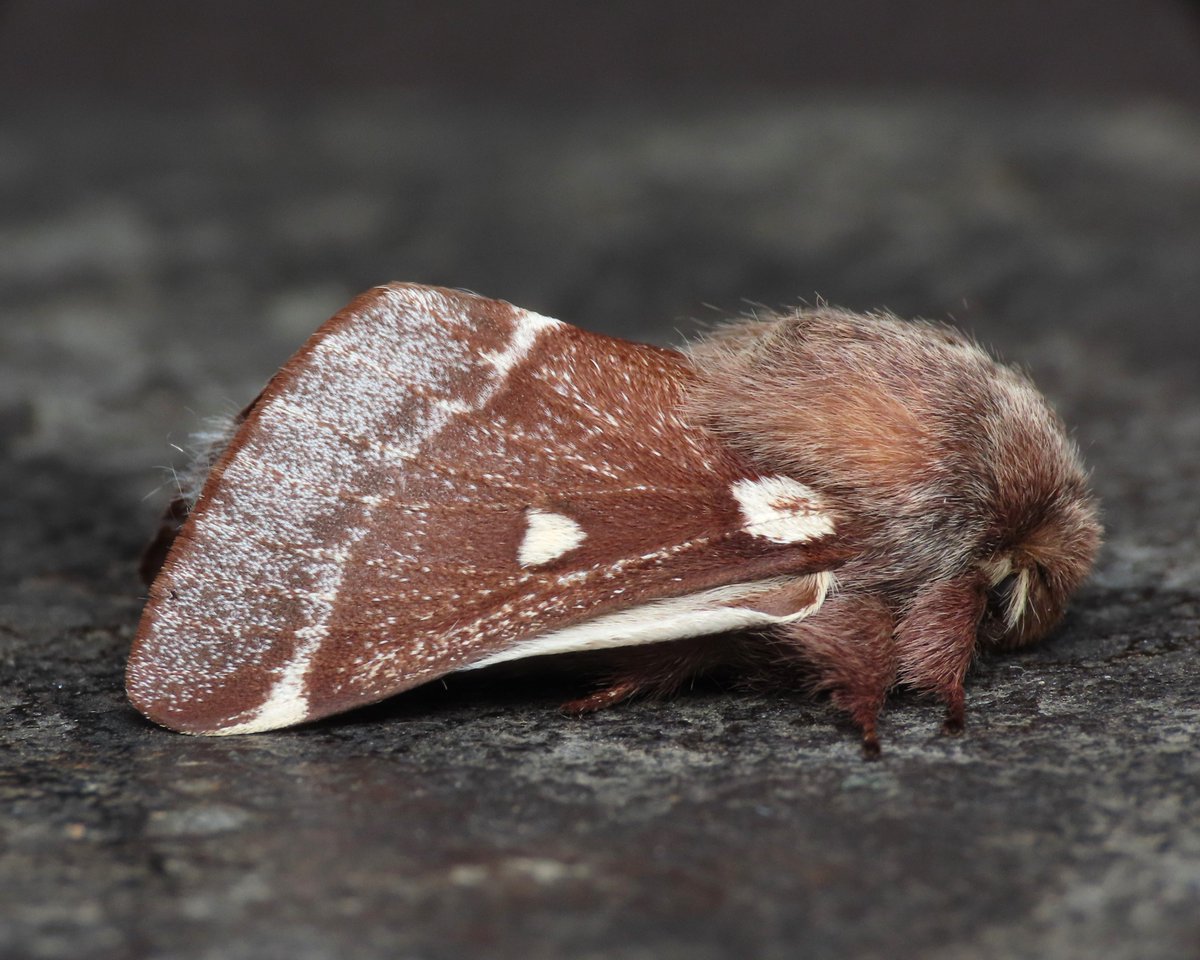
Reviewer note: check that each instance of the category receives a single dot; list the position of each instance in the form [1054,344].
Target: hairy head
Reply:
[948,461]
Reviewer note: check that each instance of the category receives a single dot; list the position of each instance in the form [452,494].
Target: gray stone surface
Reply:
[156,267]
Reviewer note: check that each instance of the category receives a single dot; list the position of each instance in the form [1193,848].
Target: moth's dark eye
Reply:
[1000,594]
[995,628]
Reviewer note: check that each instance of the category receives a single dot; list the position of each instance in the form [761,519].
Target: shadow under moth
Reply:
[438,482]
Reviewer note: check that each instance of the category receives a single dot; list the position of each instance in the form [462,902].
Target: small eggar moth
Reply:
[437,482]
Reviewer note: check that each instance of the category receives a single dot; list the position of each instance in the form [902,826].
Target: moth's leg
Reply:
[618,691]
[849,643]
[936,641]
[658,670]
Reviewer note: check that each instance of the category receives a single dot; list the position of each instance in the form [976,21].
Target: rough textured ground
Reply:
[155,268]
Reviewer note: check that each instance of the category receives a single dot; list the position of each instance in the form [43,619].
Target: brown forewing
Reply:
[361,534]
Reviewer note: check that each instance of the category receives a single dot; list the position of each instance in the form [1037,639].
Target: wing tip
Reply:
[185,701]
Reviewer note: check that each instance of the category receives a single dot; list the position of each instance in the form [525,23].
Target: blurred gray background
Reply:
[187,191]
[151,49]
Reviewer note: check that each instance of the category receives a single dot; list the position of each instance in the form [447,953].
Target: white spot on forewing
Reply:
[781,510]
[695,615]
[547,537]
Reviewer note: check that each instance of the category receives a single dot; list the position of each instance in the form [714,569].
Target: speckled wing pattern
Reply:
[438,481]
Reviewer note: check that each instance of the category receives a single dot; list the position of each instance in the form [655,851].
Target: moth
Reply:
[440,482]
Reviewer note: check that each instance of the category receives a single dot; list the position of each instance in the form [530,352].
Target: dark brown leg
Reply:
[956,710]
[849,643]
[658,670]
[617,692]
[936,642]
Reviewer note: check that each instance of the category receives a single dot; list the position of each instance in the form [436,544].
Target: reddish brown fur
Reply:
[948,461]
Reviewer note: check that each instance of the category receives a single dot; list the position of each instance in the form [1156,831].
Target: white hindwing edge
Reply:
[694,615]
